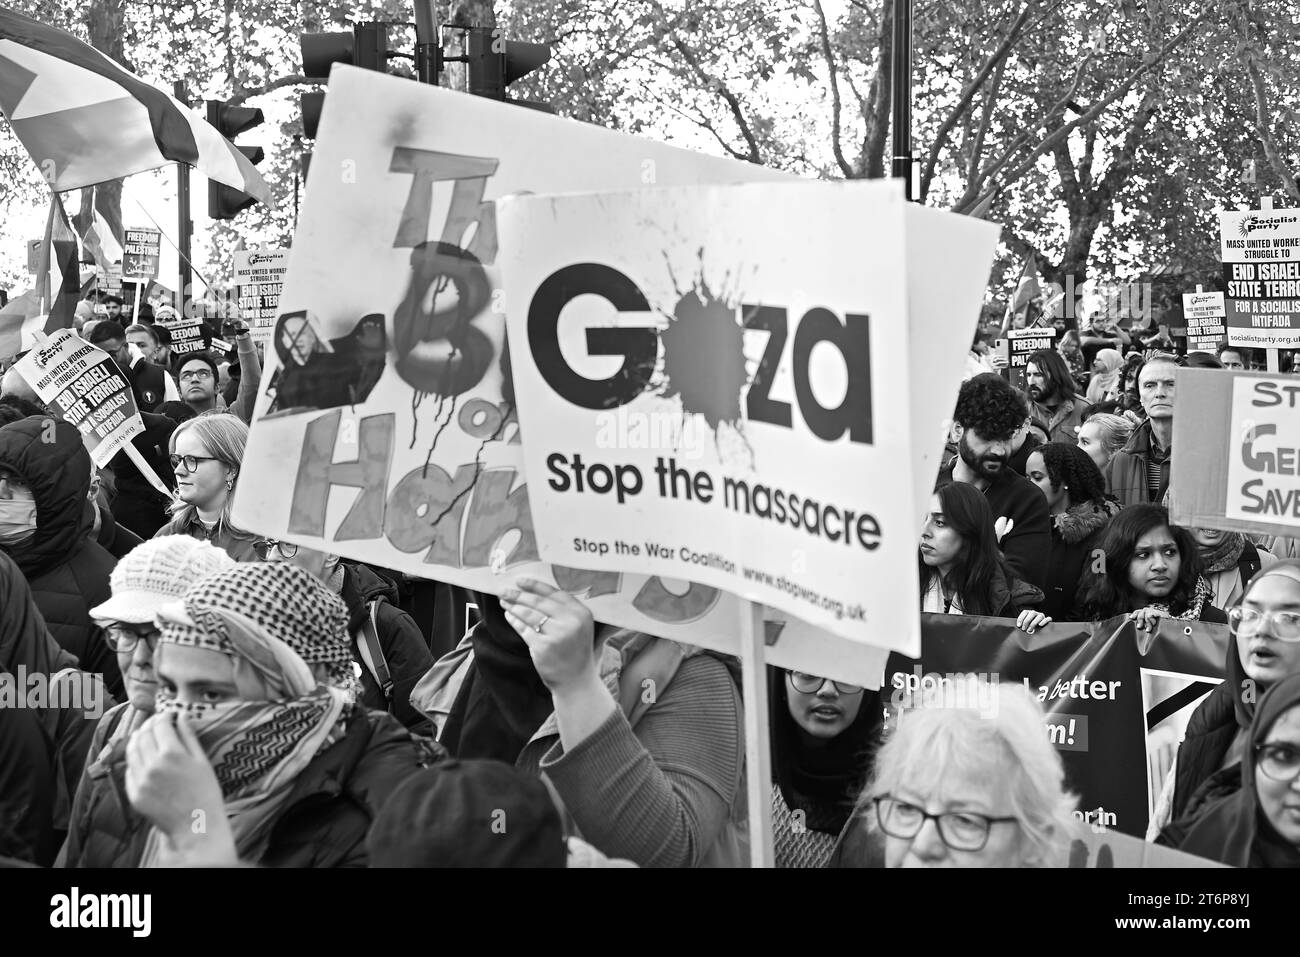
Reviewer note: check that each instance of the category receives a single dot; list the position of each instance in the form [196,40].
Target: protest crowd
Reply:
[321,713]
[347,579]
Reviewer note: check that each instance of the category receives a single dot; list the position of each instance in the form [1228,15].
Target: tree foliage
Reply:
[1103,135]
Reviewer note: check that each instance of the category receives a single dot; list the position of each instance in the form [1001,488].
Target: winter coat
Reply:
[1229,585]
[405,656]
[234,542]
[322,823]
[1075,534]
[137,505]
[1126,473]
[65,724]
[115,539]
[67,571]
[1061,425]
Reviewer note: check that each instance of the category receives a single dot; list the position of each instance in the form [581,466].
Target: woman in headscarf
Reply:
[1105,377]
[1259,825]
[822,735]
[257,726]
[1264,651]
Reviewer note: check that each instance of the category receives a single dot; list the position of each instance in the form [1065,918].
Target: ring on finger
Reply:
[541,624]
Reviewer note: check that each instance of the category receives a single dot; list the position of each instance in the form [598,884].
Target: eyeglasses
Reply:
[960,830]
[123,637]
[191,462]
[263,548]
[196,374]
[1281,762]
[811,684]
[1248,621]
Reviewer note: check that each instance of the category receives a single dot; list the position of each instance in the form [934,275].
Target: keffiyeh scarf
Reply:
[1202,594]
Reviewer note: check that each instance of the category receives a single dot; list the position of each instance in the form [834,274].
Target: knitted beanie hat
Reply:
[283,600]
[157,572]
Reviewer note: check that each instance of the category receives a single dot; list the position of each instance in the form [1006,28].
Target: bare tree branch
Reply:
[1262,129]
[968,95]
[248,93]
[832,70]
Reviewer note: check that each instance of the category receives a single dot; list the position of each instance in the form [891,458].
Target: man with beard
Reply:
[989,413]
[1055,409]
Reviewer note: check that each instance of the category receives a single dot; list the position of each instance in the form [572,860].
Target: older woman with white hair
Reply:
[967,779]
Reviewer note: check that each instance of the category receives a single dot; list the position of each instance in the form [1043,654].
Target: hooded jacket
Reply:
[1075,533]
[67,571]
[405,653]
[1233,829]
[324,819]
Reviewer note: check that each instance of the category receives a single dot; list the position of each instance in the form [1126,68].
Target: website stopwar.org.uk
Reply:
[803,593]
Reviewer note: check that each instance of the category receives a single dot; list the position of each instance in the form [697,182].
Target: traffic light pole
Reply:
[185,224]
[902,90]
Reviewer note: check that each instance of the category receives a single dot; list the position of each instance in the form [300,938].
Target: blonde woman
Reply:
[205,454]
[1103,434]
[968,779]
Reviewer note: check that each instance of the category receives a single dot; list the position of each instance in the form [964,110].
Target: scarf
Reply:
[822,782]
[257,747]
[1103,382]
[1234,829]
[1193,613]
[1224,555]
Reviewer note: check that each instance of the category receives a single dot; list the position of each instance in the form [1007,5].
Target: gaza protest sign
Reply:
[385,428]
[1238,467]
[795,489]
[79,384]
[1117,702]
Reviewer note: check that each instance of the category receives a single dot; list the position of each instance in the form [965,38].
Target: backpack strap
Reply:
[372,654]
[1248,564]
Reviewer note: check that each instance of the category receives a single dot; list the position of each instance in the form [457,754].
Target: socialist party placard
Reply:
[703,395]
[259,277]
[81,386]
[1204,313]
[1261,270]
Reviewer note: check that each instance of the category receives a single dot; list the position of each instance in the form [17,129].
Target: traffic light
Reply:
[365,46]
[494,63]
[225,202]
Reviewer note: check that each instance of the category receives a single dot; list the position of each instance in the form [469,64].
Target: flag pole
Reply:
[163,232]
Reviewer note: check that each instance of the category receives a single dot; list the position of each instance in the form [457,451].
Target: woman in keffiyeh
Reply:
[257,729]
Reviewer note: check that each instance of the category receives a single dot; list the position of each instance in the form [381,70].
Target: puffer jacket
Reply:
[68,572]
[405,656]
[322,823]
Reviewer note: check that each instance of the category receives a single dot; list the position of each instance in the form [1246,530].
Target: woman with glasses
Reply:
[822,735]
[1259,825]
[1265,650]
[153,574]
[968,779]
[205,454]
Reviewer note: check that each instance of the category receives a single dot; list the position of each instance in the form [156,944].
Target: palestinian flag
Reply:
[86,120]
[102,242]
